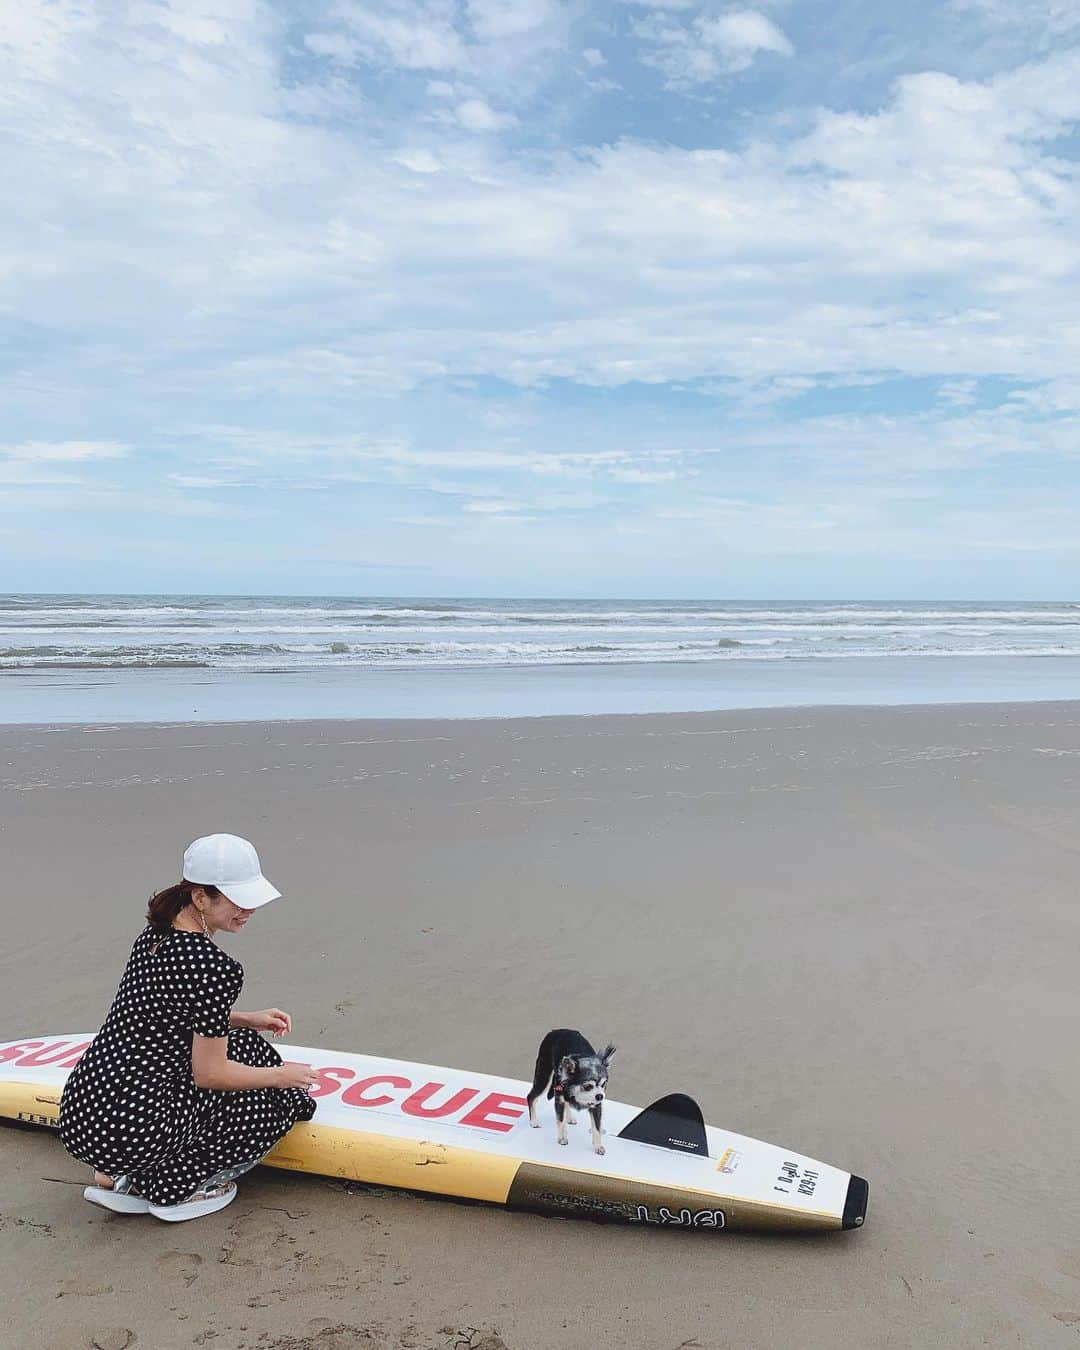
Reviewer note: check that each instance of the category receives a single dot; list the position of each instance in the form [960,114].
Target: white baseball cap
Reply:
[232,865]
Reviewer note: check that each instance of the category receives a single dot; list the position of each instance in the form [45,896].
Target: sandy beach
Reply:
[850,930]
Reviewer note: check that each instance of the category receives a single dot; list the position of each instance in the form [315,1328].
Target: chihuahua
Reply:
[569,1070]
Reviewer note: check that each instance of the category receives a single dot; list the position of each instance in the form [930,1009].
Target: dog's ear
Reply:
[567,1066]
[609,1050]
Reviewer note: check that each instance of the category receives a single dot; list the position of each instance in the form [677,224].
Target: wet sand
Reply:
[853,931]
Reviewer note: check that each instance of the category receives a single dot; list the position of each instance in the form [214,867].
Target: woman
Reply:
[178,1094]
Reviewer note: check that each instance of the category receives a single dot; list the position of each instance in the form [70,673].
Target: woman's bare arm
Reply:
[212,1068]
[271,1020]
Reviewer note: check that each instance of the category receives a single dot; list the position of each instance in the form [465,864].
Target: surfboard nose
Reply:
[858,1194]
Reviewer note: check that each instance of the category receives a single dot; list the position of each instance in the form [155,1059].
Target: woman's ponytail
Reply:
[165,905]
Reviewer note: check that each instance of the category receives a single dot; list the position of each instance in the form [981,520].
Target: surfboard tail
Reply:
[858,1197]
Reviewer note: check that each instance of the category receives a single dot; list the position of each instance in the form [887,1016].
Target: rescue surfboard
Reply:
[446,1132]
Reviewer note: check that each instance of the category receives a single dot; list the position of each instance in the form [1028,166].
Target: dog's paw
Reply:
[564,1141]
[600,1150]
[535,1124]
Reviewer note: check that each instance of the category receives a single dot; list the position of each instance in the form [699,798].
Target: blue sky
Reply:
[541,297]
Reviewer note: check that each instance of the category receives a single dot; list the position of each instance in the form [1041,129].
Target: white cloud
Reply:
[15,474]
[957,393]
[408,34]
[476,115]
[346,51]
[422,521]
[707,47]
[207,482]
[593,58]
[504,18]
[328,459]
[635,475]
[494,508]
[1051,20]
[1048,399]
[741,34]
[64,452]
[420,160]
[503,45]
[39,35]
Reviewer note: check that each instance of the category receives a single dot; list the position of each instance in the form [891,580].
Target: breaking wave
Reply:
[263,633]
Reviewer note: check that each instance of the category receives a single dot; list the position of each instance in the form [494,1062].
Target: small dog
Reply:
[569,1070]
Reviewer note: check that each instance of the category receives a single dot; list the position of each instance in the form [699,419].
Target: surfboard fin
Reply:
[674,1121]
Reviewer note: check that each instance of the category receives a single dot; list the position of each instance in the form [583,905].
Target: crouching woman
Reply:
[178,1094]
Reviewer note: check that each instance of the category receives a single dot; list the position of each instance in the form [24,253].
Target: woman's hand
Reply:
[273,1020]
[295,1076]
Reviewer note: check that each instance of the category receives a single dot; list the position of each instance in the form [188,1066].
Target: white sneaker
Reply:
[202,1202]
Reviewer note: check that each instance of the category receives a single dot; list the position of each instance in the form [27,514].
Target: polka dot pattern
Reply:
[131,1106]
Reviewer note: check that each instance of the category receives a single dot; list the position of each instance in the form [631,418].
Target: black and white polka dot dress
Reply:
[131,1105]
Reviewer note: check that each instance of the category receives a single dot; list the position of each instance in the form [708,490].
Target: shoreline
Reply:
[143,697]
[815,709]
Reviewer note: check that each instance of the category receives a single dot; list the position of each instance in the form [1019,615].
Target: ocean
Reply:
[195,657]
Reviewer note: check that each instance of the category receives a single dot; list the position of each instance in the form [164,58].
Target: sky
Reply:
[541,297]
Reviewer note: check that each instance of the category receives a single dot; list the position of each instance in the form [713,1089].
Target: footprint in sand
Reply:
[472,1338]
[1034,1291]
[113,1338]
[257,1239]
[1070,1265]
[180,1265]
[81,1289]
[329,1337]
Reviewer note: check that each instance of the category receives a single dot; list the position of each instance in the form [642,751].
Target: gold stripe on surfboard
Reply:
[33,1103]
[717,1197]
[574,1191]
[386,1160]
